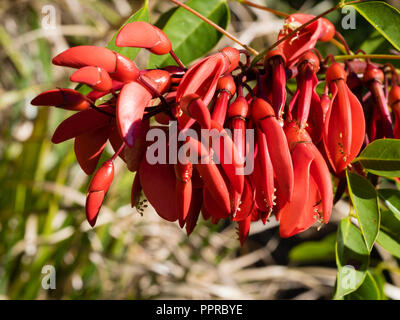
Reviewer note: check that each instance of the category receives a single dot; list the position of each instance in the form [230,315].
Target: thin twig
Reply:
[261,7]
[217,27]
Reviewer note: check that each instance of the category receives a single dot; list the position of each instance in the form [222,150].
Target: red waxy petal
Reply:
[118,66]
[68,99]
[89,147]
[298,215]
[98,188]
[82,122]
[132,101]
[140,34]
[158,184]
[95,77]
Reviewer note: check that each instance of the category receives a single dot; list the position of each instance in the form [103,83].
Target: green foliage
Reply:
[365,200]
[389,235]
[382,157]
[191,37]
[369,290]
[352,258]
[383,17]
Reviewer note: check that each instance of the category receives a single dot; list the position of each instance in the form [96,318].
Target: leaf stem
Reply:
[177,60]
[367,56]
[214,25]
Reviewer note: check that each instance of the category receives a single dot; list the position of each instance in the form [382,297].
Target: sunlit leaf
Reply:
[382,157]
[365,200]
[352,258]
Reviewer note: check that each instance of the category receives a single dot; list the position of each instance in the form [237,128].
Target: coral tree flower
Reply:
[305,105]
[344,124]
[312,195]
[305,39]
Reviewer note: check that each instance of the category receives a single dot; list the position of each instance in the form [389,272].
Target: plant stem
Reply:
[214,25]
[338,45]
[258,6]
[367,56]
[343,42]
[177,60]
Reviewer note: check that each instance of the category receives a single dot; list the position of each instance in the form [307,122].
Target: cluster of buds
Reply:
[297,141]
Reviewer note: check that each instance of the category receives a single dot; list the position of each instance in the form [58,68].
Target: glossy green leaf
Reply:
[365,200]
[389,235]
[191,37]
[314,251]
[384,18]
[391,198]
[352,258]
[368,290]
[382,157]
[140,15]
[389,243]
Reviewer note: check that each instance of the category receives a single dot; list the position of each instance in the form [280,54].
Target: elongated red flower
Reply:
[305,105]
[344,123]
[68,99]
[263,115]
[183,173]
[226,88]
[394,102]
[274,63]
[312,197]
[214,182]
[97,190]
[202,78]
[373,77]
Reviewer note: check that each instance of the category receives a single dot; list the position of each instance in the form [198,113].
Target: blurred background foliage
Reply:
[127,255]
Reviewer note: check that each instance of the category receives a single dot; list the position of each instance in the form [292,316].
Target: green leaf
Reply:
[314,251]
[368,290]
[389,235]
[365,201]
[391,198]
[191,37]
[382,157]
[352,258]
[384,18]
[390,244]
[140,15]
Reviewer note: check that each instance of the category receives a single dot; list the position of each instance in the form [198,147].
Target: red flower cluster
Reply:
[298,143]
